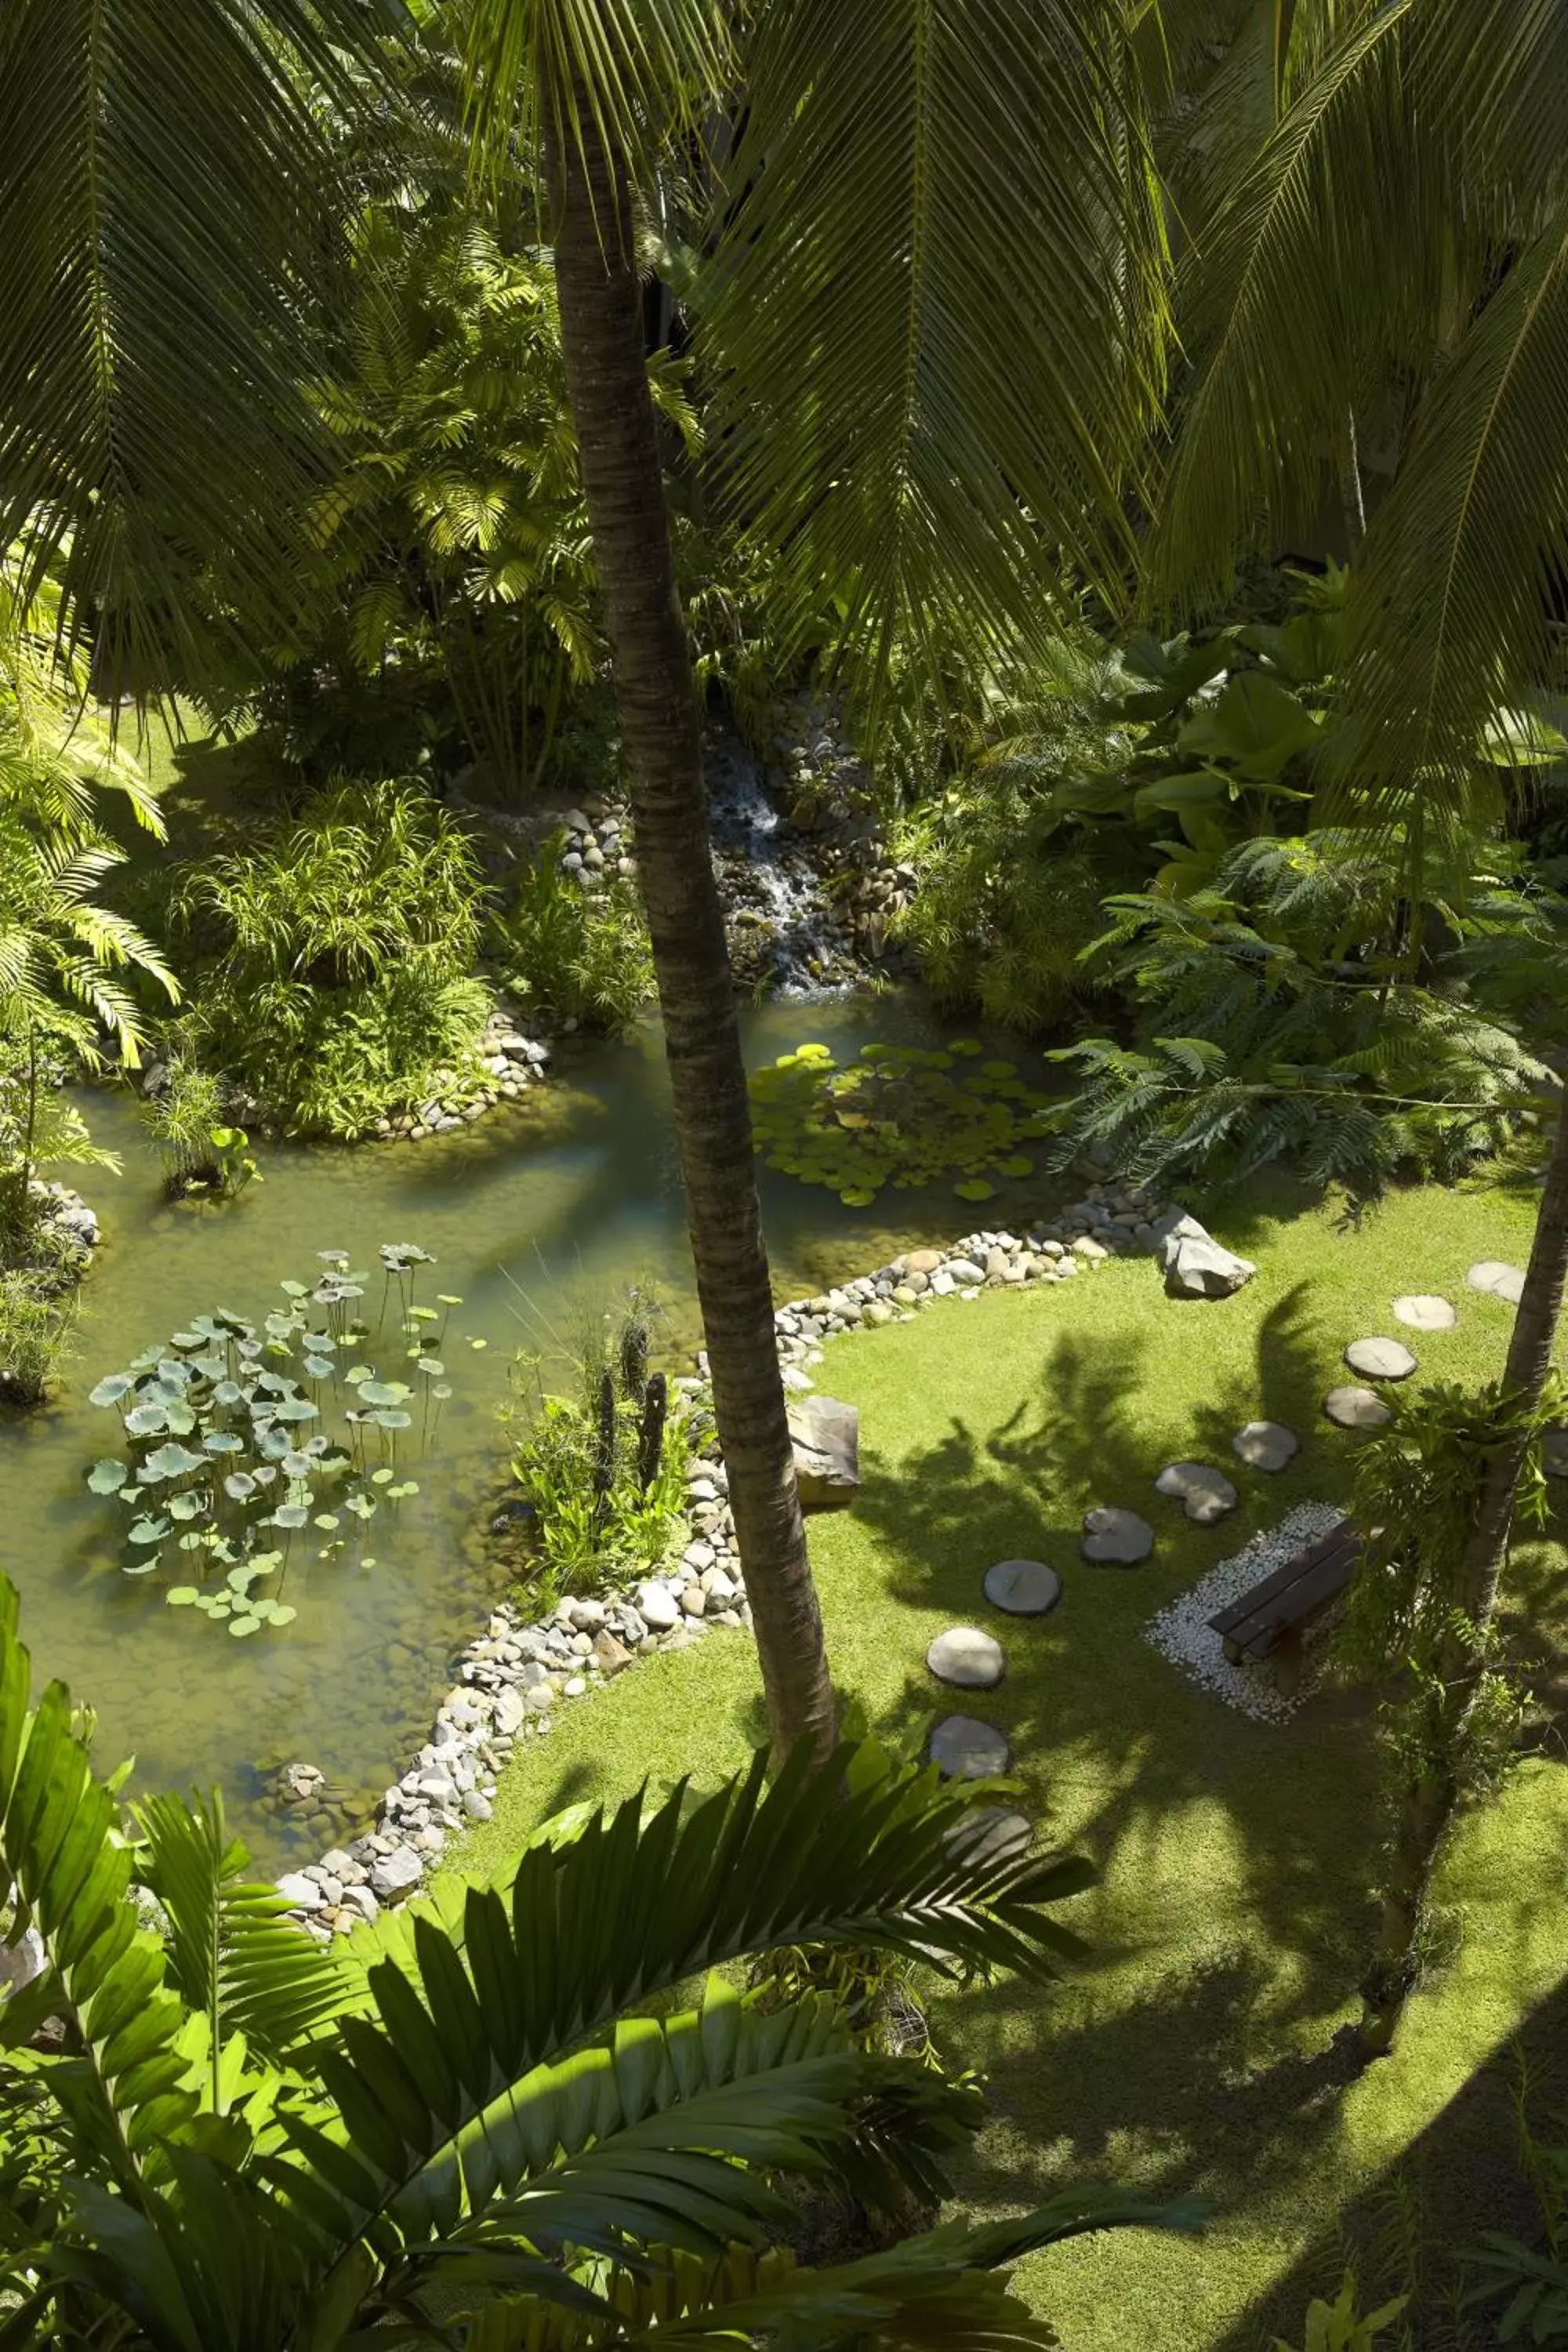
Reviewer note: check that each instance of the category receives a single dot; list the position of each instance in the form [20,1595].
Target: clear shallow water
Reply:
[536,1216]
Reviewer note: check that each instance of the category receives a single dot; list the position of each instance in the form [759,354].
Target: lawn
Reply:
[1231,1918]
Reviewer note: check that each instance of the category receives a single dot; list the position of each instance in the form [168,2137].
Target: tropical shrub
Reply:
[896,1115]
[570,953]
[602,1472]
[247,2140]
[36,1334]
[333,957]
[253,1474]
[186,1119]
[1270,1020]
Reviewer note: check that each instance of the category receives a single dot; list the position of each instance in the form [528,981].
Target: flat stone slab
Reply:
[1381,1360]
[1554,1450]
[1355,1408]
[1116,1539]
[1024,1588]
[967,1658]
[1205,1493]
[1423,1310]
[964,1748]
[1497,1280]
[1266,1444]
[991,1833]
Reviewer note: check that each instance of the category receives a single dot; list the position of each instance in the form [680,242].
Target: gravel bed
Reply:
[1181,1633]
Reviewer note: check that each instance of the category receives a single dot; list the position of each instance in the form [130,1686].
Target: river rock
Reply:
[1116,1539]
[657,1605]
[1204,1493]
[963,1748]
[1194,1263]
[1422,1312]
[826,1439]
[1266,1444]
[967,1658]
[1356,1408]
[1381,1360]
[22,1961]
[1023,1588]
[394,1873]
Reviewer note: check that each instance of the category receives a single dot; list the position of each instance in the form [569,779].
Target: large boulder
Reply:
[1194,1263]
[826,1437]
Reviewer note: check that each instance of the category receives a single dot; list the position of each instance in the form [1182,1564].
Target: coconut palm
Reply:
[937,306]
[491,2122]
[1393,241]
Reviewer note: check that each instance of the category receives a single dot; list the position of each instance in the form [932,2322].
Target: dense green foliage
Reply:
[333,957]
[570,953]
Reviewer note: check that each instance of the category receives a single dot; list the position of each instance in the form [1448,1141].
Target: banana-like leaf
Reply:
[66,1873]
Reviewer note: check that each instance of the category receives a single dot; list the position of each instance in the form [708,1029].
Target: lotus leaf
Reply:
[106,1478]
[291,1515]
[274,1444]
[297,1409]
[397,1419]
[296,1465]
[110,1390]
[283,1612]
[449,1299]
[182,1596]
[173,1462]
[147,1420]
[319,1368]
[239,1485]
[240,1580]
[223,1440]
[383,1478]
[228,1392]
[143,1567]
[195,1541]
[240,1626]
[189,1506]
[264,1472]
[148,1531]
[423,1315]
[179,1420]
[361,1505]
[294,1289]
[380,1393]
[328,1520]
[431,1366]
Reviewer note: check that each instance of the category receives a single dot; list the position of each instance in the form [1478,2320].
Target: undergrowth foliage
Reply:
[571,954]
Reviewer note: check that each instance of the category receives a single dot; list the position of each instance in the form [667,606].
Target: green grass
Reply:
[1231,1918]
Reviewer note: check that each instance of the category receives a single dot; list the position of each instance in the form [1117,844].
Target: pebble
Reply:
[1023,1588]
[966,1658]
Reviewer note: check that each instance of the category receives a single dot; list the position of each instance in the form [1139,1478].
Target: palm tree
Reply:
[938,311]
[1450,323]
[491,2121]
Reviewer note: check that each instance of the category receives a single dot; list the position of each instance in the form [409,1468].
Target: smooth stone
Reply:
[395,1873]
[1422,1310]
[1024,1588]
[657,1605]
[1204,1492]
[967,1658]
[1355,1408]
[1497,1280]
[991,1833]
[1266,1444]
[303,1893]
[826,1435]
[1116,1539]
[964,1748]
[1381,1360]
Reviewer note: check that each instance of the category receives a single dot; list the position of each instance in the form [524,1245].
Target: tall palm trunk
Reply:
[1431,1790]
[606,377]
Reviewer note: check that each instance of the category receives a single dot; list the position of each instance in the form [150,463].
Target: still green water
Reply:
[537,1216]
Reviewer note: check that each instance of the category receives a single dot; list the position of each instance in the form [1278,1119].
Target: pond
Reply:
[536,1217]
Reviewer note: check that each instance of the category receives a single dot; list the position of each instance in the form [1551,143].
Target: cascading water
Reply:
[771,885]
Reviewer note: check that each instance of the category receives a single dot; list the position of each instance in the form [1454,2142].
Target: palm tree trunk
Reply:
[606,376]
[1431,1792]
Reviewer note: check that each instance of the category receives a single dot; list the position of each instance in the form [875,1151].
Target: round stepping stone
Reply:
[1425,1312]
[1499,1281]
[1356,1408]
[1554,1450]
[1116,1539]
[964,1748]
[991,1833]
[1024,1588]
[1381,1360]
[1205,1492]
[1266,1444]
[967,1658]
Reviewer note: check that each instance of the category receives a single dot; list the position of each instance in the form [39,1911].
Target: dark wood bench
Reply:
[1272,1621]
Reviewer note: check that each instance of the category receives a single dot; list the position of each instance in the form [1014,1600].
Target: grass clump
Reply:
[37,1336]
[573,954]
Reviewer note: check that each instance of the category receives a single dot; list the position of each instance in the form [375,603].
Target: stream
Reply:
[538,1216]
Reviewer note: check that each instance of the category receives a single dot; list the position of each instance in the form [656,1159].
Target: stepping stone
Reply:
[991,1833]
[1266,1444]
[1206,1492]
[967,1658]
[964,1748]
[1499,1281]
[1116,1539]
[1356,1408]
[1424,1312]
[1381,1360]
[1554,1450]
[1024,1588]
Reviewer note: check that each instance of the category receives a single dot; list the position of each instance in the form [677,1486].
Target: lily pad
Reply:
[189,1506]
[291,1515]
[106,1478]
[148,1531]
[974,1188]
[240,1626]
[319,1368]
[182,1596]
[173,1462]
[110,1390]
[223,1440]
[147,1420]
[239,1485]
[397,1419]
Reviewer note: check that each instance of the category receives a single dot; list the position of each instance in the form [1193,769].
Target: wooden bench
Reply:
[1272,1621]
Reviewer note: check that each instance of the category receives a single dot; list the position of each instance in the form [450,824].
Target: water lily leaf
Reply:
[223,1440]
[401,1494]
[478,1343]
[264,1562]
[227,1393]
[974,1188]
[294,1289]
[148,1531]
[297,1465]
[381,1392]
[857,1197]
[146,1359]
[220,1605]
[277,1383]
[319,1368]
[264,1472]
[423,1315]
[431,1366]
[328,1520]
[147,1420]
[297,1409]
[395,1420]
[110,1390]
[275,1443]
[195,1541]
[369,1561]
[189,1506]
[240,1580]
[290,1514]
[182,1596]
[143,1567]
[106,1478]
[384,1476]
[240,1626]
[442,1389]
[449,1299]
[185,1338]
[174,1373]
[239,1485]
[179,1420]
[361,1505]
[964,1045]
[173,1462]
[1016,1165]
[283,1614]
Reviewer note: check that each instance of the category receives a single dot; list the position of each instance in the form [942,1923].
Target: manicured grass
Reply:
[1231,1918]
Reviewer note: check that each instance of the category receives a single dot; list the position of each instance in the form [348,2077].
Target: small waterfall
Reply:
[802,945]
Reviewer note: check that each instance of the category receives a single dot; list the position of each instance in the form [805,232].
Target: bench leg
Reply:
[1290,1654]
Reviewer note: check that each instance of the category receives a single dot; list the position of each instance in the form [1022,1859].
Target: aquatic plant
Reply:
[898,1115]
[201,1153]
[37,1333]
[224,1466]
